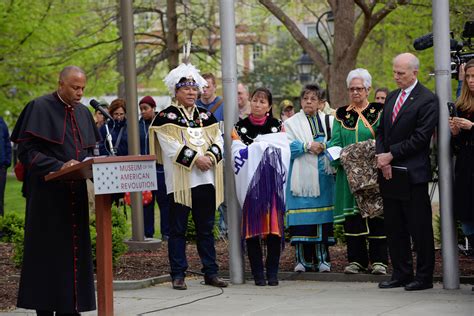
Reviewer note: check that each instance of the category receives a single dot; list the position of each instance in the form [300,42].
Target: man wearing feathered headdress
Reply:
[187,141]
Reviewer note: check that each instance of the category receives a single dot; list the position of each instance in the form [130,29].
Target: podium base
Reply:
[149,244]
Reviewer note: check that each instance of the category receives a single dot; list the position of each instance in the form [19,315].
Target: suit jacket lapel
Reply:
[407,103]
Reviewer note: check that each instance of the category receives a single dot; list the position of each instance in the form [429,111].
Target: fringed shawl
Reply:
[172,130]
[260,174]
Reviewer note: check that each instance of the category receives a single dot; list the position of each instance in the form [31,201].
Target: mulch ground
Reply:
[142,265]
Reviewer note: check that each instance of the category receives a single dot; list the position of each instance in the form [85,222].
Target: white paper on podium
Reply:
[333,153]
[119,177]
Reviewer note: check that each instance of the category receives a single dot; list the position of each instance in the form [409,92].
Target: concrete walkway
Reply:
[290,298]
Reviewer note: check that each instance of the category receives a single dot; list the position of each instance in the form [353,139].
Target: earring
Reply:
[268,114]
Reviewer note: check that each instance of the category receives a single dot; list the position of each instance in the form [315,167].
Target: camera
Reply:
[461,51]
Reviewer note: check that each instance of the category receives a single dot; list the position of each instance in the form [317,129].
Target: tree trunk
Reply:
[172,34]
[344,60]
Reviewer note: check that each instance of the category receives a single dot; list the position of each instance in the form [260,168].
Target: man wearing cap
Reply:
[147,109]
[287,109]
[187,140]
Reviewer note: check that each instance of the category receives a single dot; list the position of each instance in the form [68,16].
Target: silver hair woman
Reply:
[358,122]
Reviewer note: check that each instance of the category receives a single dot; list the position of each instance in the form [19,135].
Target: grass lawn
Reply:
[14,201]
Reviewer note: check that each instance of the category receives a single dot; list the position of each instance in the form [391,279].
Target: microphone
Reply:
[96,105]
[423,42]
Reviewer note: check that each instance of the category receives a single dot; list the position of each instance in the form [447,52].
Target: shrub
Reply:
[191,230]
[437,231]
[119,230]
[339,234]
[10,224]
[12,227]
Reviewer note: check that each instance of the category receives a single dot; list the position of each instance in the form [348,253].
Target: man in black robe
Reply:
[53,132]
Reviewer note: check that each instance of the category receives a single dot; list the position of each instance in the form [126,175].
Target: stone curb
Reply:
[283,276]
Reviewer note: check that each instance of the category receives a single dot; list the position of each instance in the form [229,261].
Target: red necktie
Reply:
[398,106]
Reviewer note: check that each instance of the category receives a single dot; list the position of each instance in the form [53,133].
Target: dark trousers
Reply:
[149,218]
[3,181]
[254,252]
[163,202]
[411,218]
[366,240]
[203,213]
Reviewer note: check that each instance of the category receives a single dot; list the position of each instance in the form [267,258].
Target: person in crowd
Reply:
[324,106]
[261,157]
[287,109]
[381,95]
[53,132]
[310,188]
[461,73]
[147,109]
[243,101]
[403,139]
[99,117]
[463,139]
[210,100]
[357,122]
[5,160]
[187,140]
[117,128]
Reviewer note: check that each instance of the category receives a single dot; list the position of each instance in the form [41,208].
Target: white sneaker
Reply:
[352,268]
[300,267]
[324,267]
[379,269]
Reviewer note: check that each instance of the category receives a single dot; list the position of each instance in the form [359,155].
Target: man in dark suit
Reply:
[403,139]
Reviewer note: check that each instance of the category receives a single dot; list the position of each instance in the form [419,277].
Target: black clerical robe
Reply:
[57,271]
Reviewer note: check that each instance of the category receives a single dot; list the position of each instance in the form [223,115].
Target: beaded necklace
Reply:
[195,133]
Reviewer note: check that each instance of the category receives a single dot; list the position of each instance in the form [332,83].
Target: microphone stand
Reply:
[108,137]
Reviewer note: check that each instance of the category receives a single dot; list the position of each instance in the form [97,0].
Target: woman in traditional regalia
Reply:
[261,156]
[310,189]
[355,123]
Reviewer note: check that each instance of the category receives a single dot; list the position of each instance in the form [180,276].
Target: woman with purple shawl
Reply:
[261,156]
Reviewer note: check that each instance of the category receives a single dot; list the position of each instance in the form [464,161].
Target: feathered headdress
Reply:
[185,70]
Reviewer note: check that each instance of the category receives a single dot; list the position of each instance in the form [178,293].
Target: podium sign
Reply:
[116,174]
[118,177]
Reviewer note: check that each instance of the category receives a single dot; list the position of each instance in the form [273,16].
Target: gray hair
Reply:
[360,73]
[411,60]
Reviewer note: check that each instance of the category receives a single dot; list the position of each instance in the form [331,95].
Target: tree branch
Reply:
[297,35]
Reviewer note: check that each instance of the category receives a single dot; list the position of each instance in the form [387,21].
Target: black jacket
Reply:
[408,138]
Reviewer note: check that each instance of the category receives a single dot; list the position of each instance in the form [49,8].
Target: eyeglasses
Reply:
[354,89]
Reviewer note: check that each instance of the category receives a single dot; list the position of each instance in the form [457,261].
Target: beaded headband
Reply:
[186,84]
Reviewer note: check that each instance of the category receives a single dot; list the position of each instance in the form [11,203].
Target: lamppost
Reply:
[305,68]
[329,27]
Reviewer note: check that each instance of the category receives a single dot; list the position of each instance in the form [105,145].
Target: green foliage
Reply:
[339,234]
[437,231]
[191,230]
[395,34]
[10,224]
[42,37]
[277,73]
[12,227]
[119,231]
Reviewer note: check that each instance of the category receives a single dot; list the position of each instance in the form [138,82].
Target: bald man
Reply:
[243,101]
[403,139]
[53,132]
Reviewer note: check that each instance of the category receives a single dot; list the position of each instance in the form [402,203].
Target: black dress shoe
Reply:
[418,285]
[260,282]
[215,281]
[391,284]
[272,282]
[179,284]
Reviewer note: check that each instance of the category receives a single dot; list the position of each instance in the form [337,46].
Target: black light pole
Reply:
[330,30]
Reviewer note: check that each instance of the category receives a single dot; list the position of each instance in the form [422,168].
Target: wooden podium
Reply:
[115,174]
